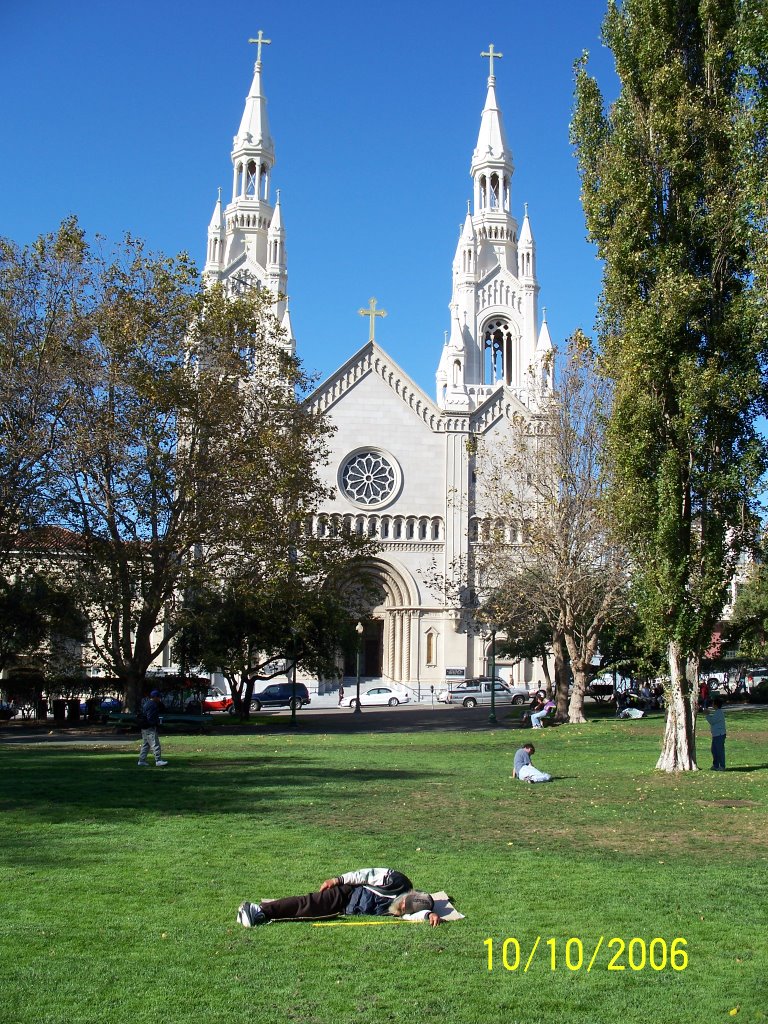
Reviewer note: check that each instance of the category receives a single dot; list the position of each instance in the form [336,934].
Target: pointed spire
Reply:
[544,343]
[217,221]
[285,323]
[276,224]
[491,140]
[254,124]
[526,235]
[468,234]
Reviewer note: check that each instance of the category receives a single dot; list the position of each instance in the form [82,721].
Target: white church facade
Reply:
[403,463]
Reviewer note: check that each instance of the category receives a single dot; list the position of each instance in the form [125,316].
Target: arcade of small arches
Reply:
[500,531]
[251,180]
[493,192]
[250,220]
[386,528]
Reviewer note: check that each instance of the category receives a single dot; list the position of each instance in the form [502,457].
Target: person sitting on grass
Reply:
[523,768]
[377,891]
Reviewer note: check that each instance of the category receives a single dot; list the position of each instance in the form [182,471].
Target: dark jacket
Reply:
[151,713]
[379,887]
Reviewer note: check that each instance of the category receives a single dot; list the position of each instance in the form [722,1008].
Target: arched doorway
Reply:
[385,599]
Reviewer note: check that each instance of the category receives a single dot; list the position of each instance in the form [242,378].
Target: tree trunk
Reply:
[580,680]
[132,687]
[545,669]
[678,751]
[562,676]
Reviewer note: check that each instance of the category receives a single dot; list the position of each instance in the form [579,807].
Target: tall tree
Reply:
[551,546]
[674,193]
[184,449]
[41,292]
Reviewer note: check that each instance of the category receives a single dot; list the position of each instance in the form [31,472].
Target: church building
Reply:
[403,462]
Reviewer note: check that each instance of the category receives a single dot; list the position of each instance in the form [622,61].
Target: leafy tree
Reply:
[561,558]
[41,289]
[674,194]
[39,623]
[748,626]
[182,451]
[273,613]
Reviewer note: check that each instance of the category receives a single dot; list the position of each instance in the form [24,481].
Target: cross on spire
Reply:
[372,313]
[491,54]
[260,41]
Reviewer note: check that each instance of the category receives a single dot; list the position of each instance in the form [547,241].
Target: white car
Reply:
[379,695]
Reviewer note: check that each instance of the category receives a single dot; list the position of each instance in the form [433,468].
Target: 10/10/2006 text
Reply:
[618,954]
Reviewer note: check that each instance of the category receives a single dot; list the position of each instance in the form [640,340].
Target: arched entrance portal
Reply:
[387,601]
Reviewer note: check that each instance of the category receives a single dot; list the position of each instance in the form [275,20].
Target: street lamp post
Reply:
[293,678]
[359,631]
[492,716]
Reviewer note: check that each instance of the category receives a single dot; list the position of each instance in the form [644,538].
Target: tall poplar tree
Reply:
[674,194]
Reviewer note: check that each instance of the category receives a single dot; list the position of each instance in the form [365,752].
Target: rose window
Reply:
[368,478]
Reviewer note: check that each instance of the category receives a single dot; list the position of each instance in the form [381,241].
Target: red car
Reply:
[218,702]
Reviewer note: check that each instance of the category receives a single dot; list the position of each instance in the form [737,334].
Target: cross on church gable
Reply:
[372,313]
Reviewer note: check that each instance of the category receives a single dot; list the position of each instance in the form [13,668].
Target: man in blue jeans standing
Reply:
[149,720]
[716,720]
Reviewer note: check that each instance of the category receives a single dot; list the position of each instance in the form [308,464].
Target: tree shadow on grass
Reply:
[56,785]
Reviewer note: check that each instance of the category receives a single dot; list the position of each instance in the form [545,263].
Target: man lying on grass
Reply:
[376,891]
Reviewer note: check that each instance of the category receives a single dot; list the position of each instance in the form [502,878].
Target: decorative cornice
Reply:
[372,359]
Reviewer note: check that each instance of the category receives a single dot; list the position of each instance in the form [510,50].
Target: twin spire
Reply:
[494,305]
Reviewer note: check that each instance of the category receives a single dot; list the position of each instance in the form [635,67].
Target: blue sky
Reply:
[124,115]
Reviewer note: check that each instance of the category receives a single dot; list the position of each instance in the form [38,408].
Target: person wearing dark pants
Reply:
[716,720]
[377,891]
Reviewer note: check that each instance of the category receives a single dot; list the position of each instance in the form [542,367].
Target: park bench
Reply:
[124,718]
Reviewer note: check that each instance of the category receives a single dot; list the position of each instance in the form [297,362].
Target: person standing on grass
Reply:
[149,720]
[524,769]
[716,721]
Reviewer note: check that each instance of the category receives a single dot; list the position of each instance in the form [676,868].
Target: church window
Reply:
[473,530]
[498,340]
[373,525]
[263,182]
[482,191]
[431,647]
[422,529]
[494,191]
[368,477]
[250,182]
[436,531]
[398,529]
[410,527]
[384,528]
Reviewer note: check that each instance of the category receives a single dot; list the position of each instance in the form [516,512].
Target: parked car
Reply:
[280,695]
[472,692]
[379,695]
[107,704]
[219,702]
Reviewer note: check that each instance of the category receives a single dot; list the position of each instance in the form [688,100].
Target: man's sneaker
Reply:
[250,914]
[160,764]
[143,764]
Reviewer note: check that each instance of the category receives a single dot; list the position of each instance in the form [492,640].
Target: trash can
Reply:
[41,709]
[59,710]
[73,710]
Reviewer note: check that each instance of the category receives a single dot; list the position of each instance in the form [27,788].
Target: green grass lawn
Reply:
[121,884]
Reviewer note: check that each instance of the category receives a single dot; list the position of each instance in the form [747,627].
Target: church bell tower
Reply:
[246,239]
[494,337]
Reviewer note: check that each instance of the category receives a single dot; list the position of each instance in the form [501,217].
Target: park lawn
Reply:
[121,884]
